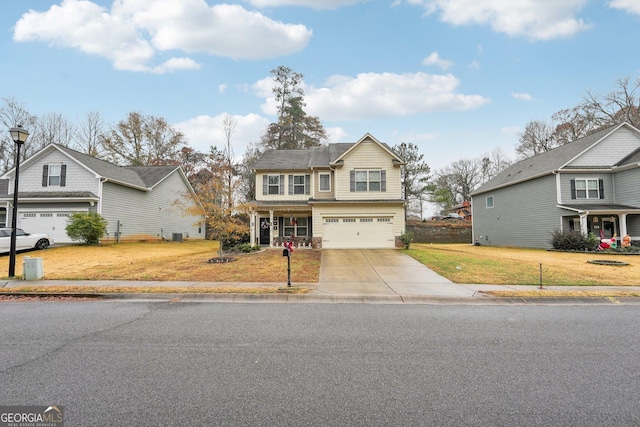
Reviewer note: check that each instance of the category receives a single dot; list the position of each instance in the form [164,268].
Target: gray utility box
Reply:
[32,268]
[176,237]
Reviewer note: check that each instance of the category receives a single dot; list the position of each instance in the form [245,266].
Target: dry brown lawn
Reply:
[464,263]
[187,261]
[169,261]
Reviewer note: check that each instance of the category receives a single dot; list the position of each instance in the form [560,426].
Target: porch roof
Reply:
[281,206]
[62,196]
[607,208]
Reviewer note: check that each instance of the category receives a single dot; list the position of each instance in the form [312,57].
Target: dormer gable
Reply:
[366,139]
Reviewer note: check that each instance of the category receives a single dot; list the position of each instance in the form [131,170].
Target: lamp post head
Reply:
[18,134]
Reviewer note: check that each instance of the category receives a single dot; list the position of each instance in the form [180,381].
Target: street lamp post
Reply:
[19,136]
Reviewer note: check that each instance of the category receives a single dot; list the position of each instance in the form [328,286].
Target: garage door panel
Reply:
[358,233]
[52,223]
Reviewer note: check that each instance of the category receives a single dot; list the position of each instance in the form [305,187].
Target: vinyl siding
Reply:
[367,155]
[627,188]
[565,188]
[78,178]
[609,151]
[317,194]
[148,214]
[524,215]
[359,210]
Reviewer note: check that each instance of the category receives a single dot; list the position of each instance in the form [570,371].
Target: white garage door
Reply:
[53,223]
[352,233]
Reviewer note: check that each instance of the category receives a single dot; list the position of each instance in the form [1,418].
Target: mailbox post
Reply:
[288,248]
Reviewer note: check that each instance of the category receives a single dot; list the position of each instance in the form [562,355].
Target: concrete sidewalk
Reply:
[426,293]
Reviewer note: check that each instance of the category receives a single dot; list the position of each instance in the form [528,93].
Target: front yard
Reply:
[169,261]
[187,261]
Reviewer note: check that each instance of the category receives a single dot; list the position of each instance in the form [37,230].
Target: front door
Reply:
[609,228]
[264,231]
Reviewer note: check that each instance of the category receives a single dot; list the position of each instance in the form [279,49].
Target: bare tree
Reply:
[13,113]
[230,125]
[90,131]
[53,128]
[536,138]
[493,163]
[619,105]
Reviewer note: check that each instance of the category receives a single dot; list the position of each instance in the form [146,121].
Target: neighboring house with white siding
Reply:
[345,195]
[591,185]
[137,202]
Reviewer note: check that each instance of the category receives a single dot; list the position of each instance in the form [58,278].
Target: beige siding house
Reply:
[345,195]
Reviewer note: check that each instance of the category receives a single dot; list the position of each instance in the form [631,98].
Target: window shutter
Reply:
[45,175]
[281,184]
[63,175]
[352,180]
[573,188]
[601,188]
[265,185]
[307,184]
[383,180]
[290,184]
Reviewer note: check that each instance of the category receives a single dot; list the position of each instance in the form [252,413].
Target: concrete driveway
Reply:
[381,272]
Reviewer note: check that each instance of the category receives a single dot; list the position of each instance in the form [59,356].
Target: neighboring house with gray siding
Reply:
[345,195]
[138,202]
[591,185]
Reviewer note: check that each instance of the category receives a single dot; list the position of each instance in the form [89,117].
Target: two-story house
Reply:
[344,195]
[591,184]
[138,202]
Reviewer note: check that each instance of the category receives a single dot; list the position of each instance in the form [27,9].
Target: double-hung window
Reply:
[273,184]
[587,188]
[54,175]
[298,184]
[368,180]
[325,182]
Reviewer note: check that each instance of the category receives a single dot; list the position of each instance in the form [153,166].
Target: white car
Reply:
[23,240]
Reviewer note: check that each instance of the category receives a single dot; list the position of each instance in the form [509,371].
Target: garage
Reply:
[53,223]
[357,233]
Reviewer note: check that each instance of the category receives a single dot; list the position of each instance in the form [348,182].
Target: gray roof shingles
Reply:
[542,164]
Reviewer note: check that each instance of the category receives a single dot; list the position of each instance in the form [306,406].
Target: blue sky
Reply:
[458,78]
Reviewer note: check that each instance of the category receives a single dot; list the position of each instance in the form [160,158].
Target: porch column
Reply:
[584,229]
[252,228]
[623,225]
[271,229]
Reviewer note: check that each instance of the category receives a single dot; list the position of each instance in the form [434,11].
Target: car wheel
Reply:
[42,244]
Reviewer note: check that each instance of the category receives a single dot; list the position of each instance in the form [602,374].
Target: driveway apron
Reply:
[381,272]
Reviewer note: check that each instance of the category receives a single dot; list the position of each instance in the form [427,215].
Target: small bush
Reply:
[406,238]
[246,247]
[570,240]
[87,227]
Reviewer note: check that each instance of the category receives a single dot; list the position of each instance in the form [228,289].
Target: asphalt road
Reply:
[190,364]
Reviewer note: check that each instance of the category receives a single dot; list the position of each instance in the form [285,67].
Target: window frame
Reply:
[299,187]
[271,185]
[489,202]
[324,174]
[369,180]
[588,190]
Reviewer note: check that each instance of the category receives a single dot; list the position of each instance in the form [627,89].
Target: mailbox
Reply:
[285,252]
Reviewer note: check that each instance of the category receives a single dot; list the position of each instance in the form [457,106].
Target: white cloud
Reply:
[537,20]
[521,96]
[475,65]
[222,87]
[510,130]
[205,131]
[314,4]
[373,95]
[630,6]
[134,31]
[435,59]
